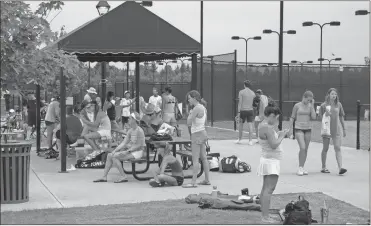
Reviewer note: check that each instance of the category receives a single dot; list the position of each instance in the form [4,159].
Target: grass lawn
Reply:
[179,212]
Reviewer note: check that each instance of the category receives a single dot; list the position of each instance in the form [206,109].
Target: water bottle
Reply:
[214,193]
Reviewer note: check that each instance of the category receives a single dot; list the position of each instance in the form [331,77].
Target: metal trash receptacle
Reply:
[15,172]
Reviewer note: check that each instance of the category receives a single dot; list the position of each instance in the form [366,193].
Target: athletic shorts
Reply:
[169,118]
[105,133]
[247,116]
[58,136]
[179,180]
[304,131]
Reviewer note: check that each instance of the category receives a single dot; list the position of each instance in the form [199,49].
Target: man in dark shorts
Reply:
[160,178]
[31,111]
[246,111]
[73,128]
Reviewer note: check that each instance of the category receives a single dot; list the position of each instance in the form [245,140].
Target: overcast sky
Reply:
[224,19]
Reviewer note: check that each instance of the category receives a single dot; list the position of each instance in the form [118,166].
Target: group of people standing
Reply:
[270,140]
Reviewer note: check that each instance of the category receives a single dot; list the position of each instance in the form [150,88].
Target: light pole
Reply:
[89,76]
[329,61]
[361,12]
[280,56]
[103,8]
[341,69]
[246,40]
[301,63]
[202,48]
[321,26]
[162,63]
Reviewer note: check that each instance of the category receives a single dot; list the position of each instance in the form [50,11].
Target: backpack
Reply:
[229,164]
[298,212]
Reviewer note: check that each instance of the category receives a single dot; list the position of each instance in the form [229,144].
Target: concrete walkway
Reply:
[50,189]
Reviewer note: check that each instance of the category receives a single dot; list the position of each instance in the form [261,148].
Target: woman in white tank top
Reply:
[197,120]
[270,159]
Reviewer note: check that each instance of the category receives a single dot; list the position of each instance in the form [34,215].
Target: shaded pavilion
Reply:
[128,33]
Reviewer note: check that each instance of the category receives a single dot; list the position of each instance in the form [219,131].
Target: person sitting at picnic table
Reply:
[132,147]
[73,128]
[101,127]
[160,178]
[87,116]
[11,119]
[151,119]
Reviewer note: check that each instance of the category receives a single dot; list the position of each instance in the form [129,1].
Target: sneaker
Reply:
[251,143]
[238,141]
[300,171]
[268,220]
[342,171]
[305,172]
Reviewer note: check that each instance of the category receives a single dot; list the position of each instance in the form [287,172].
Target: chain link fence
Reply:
[363,126]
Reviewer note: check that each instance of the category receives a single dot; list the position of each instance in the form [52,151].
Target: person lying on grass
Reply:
[132,147]
[160,178]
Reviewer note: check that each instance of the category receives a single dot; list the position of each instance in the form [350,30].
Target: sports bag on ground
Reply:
[229,164]
[298,213]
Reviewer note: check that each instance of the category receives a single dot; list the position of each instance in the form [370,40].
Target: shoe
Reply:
[305,172]
[251,143]
[300,171]
[238,141]
[268,220]
[342,171]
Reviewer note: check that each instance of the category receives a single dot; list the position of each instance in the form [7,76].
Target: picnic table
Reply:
[176,141]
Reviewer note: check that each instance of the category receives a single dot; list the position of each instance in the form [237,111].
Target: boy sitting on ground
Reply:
[160,178]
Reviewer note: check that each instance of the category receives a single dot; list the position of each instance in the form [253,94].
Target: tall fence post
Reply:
[293,123]
[212,92]
[234,89]
[358,144]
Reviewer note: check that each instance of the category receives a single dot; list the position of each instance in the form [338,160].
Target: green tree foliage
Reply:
[367,60]
[23,59]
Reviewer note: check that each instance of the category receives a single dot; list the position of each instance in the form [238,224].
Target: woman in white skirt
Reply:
[269,166]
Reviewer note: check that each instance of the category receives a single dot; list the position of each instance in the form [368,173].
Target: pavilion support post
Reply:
[63,149]
[137,80]
[38,118]
[103,81]
[194,81]
[127,76]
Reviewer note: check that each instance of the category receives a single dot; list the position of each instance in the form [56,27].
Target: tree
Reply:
[367,60]
[153,69]
[23,34]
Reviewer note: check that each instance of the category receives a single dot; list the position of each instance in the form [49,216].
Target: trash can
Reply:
[15,172]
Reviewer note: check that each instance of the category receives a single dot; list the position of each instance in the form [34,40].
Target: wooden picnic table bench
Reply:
[176,141]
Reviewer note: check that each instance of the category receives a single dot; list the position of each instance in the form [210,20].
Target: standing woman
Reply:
[333,108]
[270,159]
[110,108]
[303,112]
[197,120]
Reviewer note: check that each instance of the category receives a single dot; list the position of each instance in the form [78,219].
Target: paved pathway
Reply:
[50,189]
